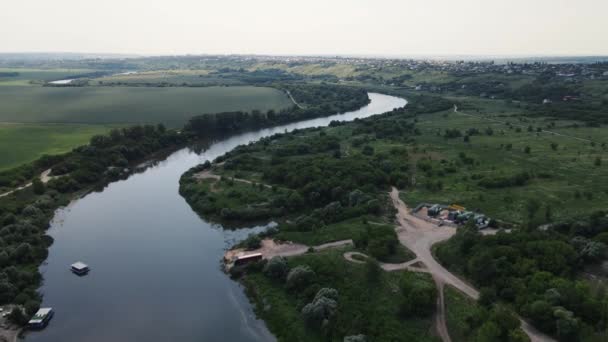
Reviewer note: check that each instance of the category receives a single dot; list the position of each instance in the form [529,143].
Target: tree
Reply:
[554,146]
[38,186]
[488,332]
[541,313]
[598,161]
[17,316]
[300,277]
[31,306]
[418,298]
[372,270]
[276,268]
[527,150]
[368,150]
[532,206]
[322,308]
[253,242]
[566,325]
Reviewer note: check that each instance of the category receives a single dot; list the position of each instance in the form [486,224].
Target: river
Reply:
[155,264]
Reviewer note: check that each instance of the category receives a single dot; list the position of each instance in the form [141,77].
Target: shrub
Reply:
[253,242]
[322,308]
[276,268]
[299,277]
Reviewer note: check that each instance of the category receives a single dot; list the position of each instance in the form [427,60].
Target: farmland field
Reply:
[130,105]
[25,75]
[22,143]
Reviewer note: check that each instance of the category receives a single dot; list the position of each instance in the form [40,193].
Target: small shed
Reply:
[245,259]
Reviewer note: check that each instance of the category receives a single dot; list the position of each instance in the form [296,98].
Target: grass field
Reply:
[174,77]
[26,75]
[22,143]
[567,177]
[130,105]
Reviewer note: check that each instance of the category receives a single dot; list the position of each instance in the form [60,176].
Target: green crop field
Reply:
[172,106]
[22,143]
[26,75]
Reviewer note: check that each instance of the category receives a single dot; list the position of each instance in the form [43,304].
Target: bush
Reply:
[322,308]
[17,316]
[418,299]
[300,277]
[253,242]
[276,268]
[327,292]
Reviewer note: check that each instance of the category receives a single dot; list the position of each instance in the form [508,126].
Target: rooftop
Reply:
[40,315]
[79,265]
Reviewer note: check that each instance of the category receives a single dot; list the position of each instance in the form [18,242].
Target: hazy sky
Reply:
[372,27]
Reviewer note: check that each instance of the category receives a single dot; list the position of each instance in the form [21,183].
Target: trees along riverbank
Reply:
[25,214]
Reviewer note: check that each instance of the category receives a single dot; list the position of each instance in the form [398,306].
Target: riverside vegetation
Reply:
[25,214]
[536,166]
[330,183]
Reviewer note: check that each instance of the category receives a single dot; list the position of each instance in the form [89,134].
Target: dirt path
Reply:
[419,236]
[44,177]
[208,174]
[293,100]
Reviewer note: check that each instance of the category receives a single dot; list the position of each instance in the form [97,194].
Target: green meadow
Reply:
[172,106]
[22,143]
[569,175]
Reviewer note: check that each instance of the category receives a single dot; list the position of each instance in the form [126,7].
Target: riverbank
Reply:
[127,231]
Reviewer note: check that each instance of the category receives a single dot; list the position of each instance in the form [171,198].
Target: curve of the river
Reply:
[155,265]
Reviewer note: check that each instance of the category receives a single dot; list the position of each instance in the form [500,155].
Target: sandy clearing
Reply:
[271,248]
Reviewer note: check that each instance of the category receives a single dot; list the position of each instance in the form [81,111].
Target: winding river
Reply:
[155,265]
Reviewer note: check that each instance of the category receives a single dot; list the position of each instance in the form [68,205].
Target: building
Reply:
[41,318]
[245,259]
[80,268]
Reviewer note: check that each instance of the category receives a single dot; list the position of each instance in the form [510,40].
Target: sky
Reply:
[307,27]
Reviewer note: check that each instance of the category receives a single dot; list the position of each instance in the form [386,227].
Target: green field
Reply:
[566,177]
[172,106]
[22,143]
[26,75]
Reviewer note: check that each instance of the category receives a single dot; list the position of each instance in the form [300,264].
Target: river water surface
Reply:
[155,265]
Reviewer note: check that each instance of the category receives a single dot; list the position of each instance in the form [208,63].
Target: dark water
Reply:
[155,265]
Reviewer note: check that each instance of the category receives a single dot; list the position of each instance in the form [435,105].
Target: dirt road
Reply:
[208,174]
[419,236]
[293,100]
[44,177]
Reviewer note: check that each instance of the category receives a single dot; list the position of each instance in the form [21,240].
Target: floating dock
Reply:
[80,268]
[41,318]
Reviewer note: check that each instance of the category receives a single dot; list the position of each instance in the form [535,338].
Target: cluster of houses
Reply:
[567,68]
[450,215]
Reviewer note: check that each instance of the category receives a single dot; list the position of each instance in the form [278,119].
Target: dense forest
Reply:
[538,272]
